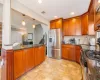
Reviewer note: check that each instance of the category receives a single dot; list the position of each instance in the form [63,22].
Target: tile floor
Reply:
[52,69]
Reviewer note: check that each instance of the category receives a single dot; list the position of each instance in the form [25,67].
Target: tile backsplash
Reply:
[79,39]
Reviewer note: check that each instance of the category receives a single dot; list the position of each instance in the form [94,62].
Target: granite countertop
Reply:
[26,46]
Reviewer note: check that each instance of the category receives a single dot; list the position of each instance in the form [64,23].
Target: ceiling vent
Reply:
[43,12]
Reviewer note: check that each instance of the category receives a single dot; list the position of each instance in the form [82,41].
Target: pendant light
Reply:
[23,22]
[33,24]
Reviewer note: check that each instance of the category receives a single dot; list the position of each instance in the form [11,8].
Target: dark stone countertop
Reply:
[26,46]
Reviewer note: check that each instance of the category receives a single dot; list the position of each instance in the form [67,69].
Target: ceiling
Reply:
[60,8]
[17,18]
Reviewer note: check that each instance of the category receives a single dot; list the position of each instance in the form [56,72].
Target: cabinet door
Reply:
[78,54]
[72,55]
[52,24]
[43,54]
[97,15]
[58,23]
[84,23]
[37,59]
[65,53]
[72,29]
[65,28]
[40,55]
[91,30]
[75,26]
[19,67]
[30,58]
[78,26]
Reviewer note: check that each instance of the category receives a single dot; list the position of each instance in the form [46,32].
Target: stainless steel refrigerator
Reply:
[54,43]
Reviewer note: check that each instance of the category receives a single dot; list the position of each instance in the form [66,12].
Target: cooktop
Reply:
[94,55]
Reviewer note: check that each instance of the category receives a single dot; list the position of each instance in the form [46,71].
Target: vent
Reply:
[43,12]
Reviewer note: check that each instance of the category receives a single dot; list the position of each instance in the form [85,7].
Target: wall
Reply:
[83,39]
[45,32]
[16,37]
[38,34]
[1,10]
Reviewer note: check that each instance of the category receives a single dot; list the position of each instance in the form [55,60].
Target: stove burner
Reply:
[94,55]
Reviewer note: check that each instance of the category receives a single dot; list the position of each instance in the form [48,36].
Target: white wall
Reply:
[16,37]
[38,33]
[83,39]
[1,12]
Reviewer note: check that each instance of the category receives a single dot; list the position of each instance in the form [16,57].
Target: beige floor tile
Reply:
[52,69]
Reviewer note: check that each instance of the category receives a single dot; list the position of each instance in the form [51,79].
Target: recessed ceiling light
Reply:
[23,23]
[33,26]
[72,13]
[55,17]
[98,1]
[40,1]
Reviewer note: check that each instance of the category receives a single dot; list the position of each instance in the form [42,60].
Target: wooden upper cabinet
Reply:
[65,27]
[97,14]
[72,26]
[52,24]
[78,26]
[75,26]
[84,24]
[91,18]
[56,24]
[59,23]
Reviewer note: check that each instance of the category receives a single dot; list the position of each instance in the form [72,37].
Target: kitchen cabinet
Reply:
[39,55]
[56,24]
[91,19]
[42,51]
[72,26]
[52,24]
[97,14]
[71,52]
[65,52]
[26,59]
[30,58]
[84,24]
[78,53]
[78,26]
[19,63]
[65,27]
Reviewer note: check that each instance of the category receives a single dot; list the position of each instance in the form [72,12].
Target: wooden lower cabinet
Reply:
[30,61]
[39,55]
[37,60]
[78,54]
[65,52]
[19,63]
[26,59]
[71,52]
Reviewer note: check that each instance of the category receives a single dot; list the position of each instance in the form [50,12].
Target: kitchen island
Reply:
[27,57]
